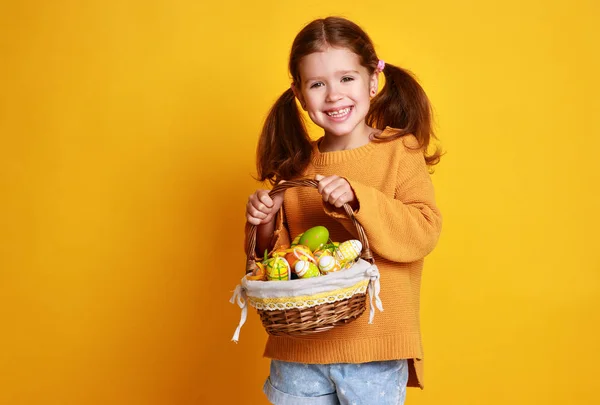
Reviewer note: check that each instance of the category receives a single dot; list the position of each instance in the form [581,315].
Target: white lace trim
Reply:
[307,302]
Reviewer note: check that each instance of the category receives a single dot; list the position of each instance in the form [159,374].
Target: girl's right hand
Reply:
[261,209]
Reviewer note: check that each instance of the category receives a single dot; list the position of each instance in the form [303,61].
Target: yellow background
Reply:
[128,132]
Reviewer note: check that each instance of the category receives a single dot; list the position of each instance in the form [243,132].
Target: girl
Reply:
[373,156]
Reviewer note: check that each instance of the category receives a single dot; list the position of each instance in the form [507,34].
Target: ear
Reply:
[298,95]
[374,84]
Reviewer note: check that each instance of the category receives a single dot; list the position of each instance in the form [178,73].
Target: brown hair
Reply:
[284,147]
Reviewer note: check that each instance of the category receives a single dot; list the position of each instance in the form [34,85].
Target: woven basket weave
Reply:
[289,312]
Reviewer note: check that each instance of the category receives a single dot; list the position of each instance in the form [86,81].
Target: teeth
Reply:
[339,113]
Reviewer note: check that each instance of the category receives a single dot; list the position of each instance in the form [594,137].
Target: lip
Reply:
[338,108]
[342,118]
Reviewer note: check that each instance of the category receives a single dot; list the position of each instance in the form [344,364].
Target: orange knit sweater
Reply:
[398,212]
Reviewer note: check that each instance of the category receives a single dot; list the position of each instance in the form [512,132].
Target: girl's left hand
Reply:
[336,191]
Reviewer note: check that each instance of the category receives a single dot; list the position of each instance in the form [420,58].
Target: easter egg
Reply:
[306,269]
[277,269]
[318,254]
[328,264]
[299,252]
[259,274]
[348,251]
[315,237]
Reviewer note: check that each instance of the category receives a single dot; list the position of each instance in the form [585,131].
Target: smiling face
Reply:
[335,90]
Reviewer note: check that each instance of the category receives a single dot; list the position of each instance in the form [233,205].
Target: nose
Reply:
[333,94]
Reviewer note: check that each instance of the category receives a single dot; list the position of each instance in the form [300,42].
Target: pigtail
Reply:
[403,104]
[284,147]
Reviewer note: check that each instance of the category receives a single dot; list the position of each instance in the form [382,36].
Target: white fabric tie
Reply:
[239,297]
[373,273]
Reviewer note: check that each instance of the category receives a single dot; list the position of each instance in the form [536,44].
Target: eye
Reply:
[347,79]
[316,84]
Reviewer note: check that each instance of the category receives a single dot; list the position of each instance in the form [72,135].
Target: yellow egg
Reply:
[348,251]
[328,264]
[277,269]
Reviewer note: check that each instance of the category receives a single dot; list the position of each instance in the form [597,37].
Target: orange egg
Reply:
[259,274]
[299,252]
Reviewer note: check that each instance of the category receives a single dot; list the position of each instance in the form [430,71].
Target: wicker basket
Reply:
[306,306]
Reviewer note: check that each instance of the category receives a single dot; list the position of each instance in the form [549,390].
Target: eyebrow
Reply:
[339,72]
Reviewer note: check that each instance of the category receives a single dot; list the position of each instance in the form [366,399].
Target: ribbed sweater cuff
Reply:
[318,351]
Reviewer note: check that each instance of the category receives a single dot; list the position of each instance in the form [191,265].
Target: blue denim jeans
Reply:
[374,383]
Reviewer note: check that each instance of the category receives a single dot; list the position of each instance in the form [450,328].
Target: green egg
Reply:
[315,237]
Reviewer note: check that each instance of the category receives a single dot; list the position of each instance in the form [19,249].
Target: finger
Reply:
[330,185]
[266,199]
[325,193]
[341,200]
[277,201]
[255,213]
[261,201]
[341,186]
[252,220]
[336,195]
[325,182]
[257,205]
[268,219]
[342,183]
[321,184]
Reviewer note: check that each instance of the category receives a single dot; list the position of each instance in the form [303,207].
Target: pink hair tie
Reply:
[380,66]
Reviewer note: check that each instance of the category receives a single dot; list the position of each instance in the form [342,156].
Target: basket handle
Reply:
[281,187]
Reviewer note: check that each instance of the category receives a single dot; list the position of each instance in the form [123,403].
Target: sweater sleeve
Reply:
[404,227]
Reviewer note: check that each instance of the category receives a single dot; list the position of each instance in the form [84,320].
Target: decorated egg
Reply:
[306,269]
[348,251]
[259,274]
[277,268]
[328,264]
[315,237]
[321,253]
[299,252]
[260,270]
